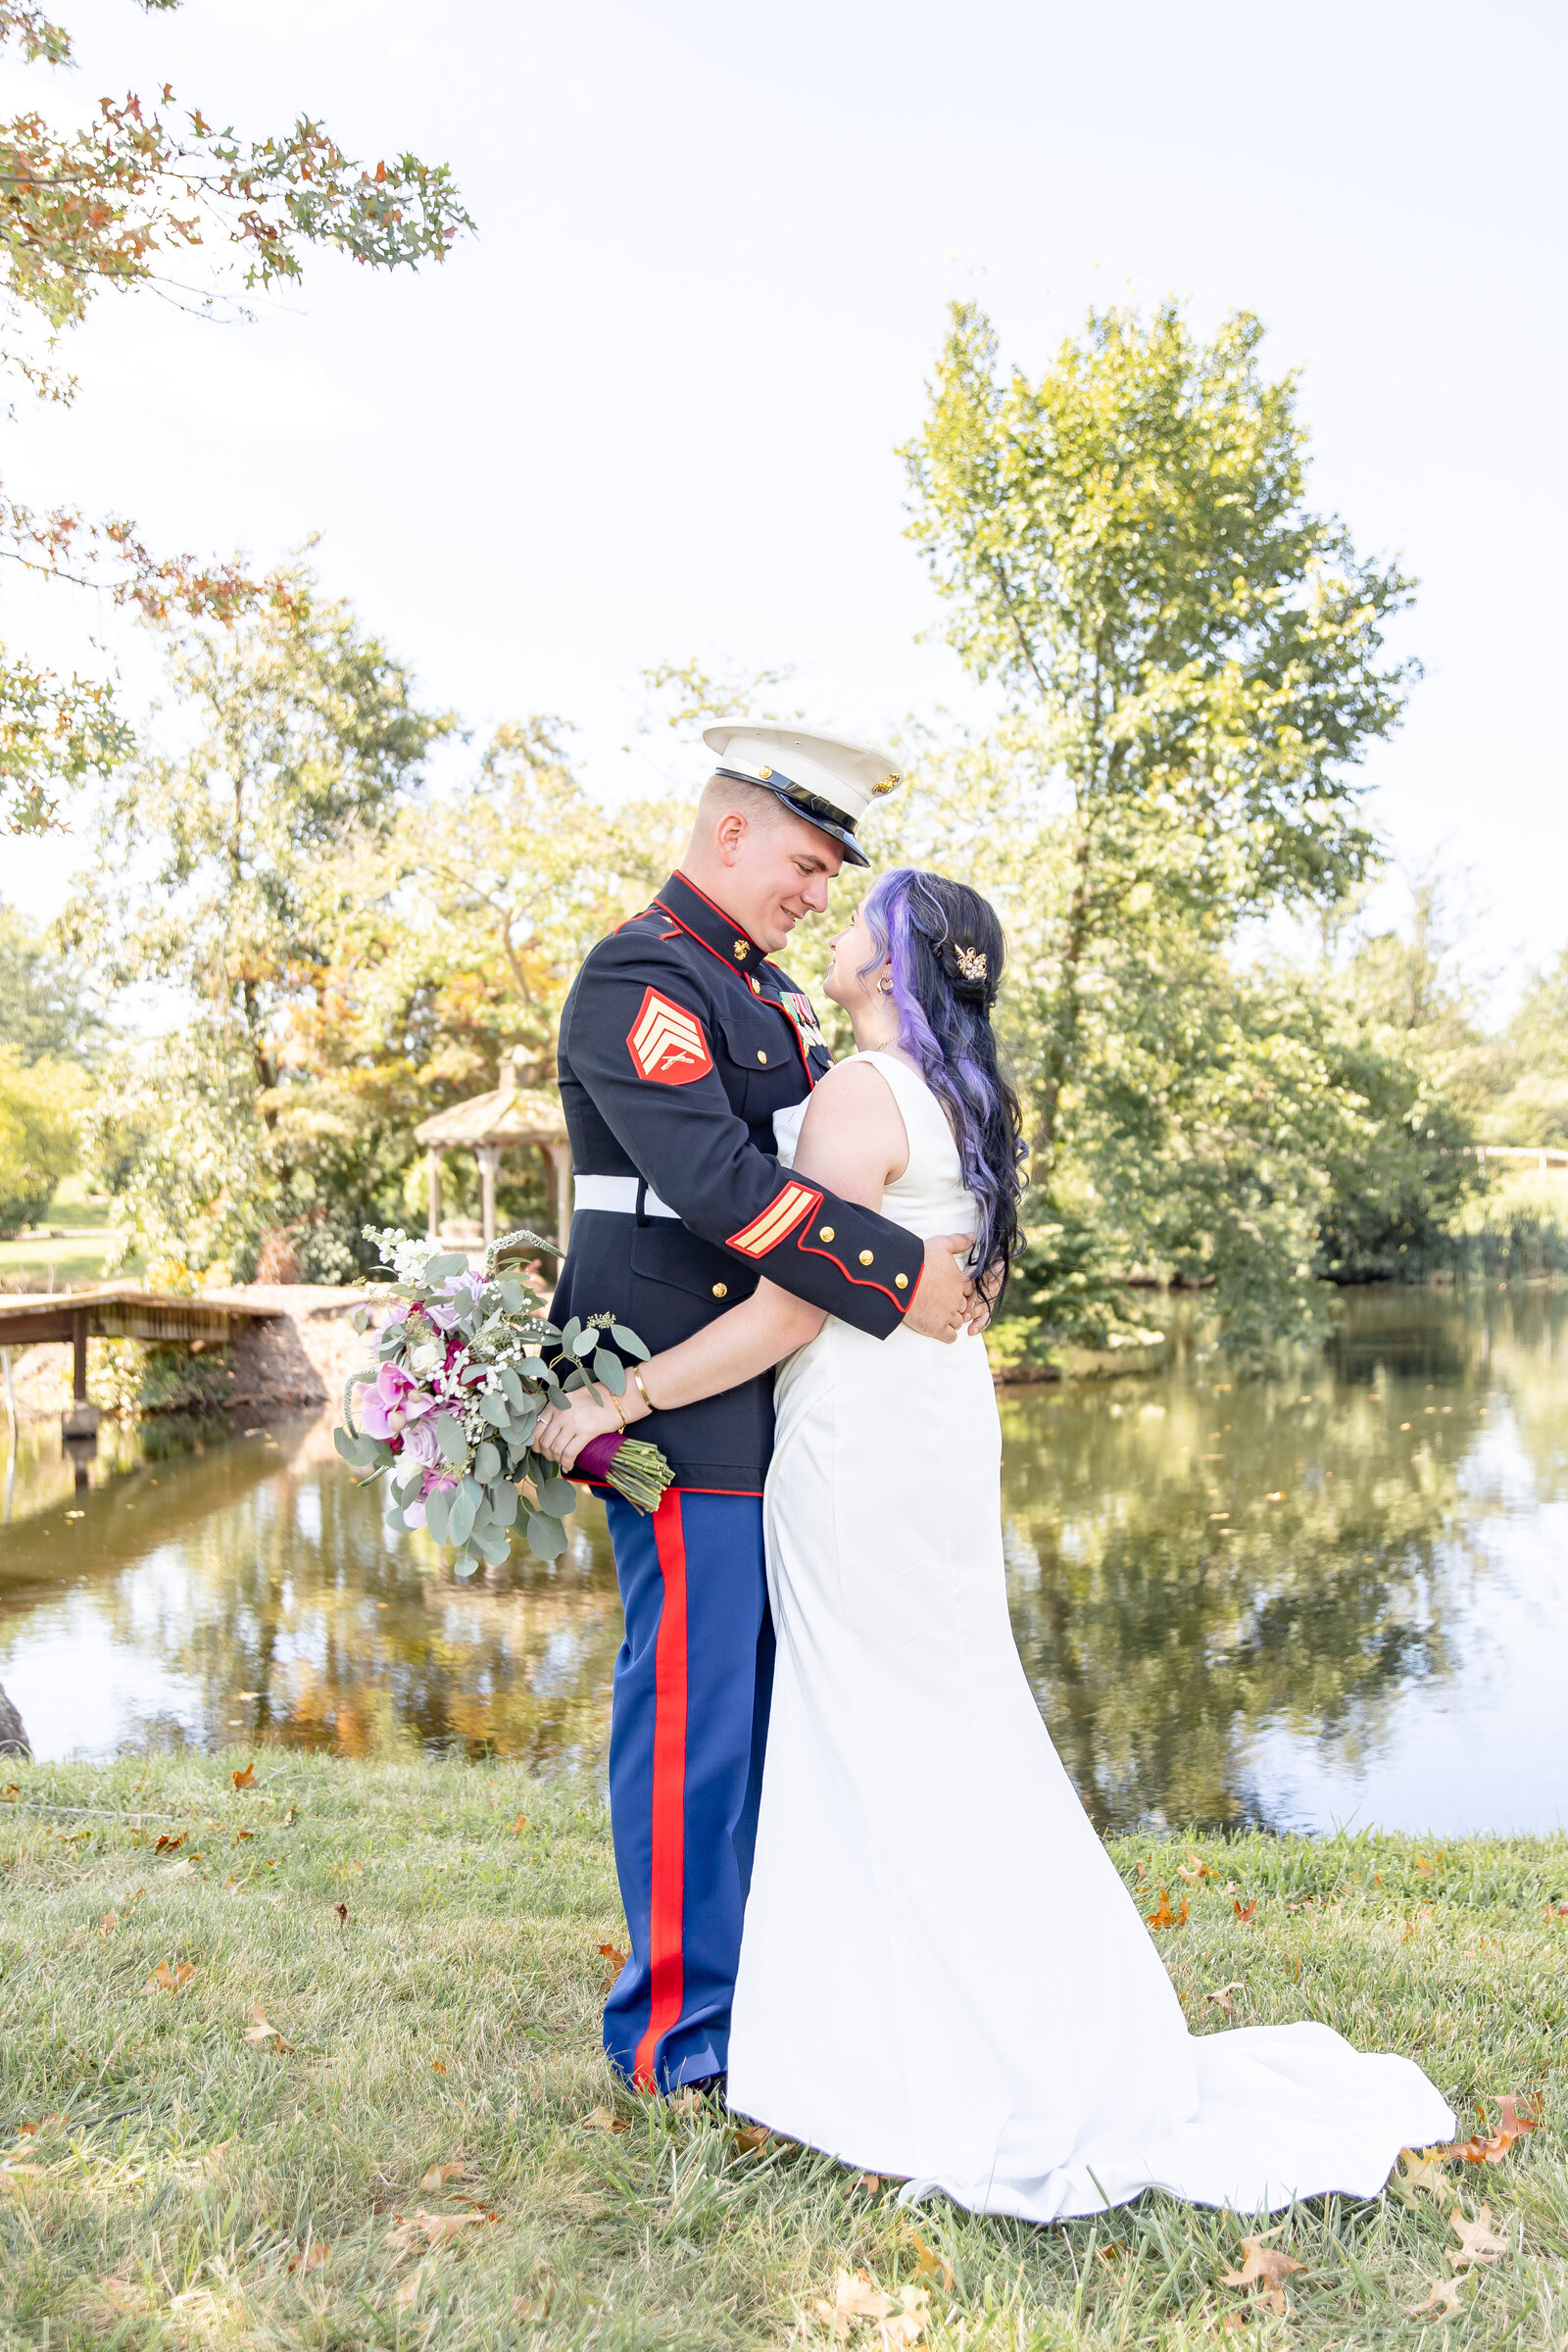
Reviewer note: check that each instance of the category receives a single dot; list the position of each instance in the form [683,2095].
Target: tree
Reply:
[108,206]
[1192,662]
[38,1102]
[46,1009]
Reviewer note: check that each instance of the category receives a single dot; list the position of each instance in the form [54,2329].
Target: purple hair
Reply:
[945,945]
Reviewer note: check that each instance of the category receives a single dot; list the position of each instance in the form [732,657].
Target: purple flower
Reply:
[419,1444]
[444,1315]
[393,1402]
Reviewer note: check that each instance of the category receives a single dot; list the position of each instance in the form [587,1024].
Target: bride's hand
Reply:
[563,1435]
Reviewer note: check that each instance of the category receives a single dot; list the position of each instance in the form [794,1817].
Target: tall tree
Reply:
[109,206]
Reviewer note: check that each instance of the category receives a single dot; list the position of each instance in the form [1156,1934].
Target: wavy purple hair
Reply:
[945,945]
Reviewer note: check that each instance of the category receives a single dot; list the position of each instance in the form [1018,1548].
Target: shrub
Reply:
[38,1110]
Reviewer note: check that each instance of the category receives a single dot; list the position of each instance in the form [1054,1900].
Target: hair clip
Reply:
[970,961]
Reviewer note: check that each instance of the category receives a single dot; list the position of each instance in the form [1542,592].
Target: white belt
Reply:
[618,1194]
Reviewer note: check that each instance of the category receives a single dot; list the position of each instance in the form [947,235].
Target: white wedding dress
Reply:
[942,1977]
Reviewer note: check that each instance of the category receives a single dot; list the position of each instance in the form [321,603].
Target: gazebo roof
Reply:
[512,1114]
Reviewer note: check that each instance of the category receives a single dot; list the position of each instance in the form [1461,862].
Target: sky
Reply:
[652,409]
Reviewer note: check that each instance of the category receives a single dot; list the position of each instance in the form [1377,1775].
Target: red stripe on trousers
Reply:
[668,1888]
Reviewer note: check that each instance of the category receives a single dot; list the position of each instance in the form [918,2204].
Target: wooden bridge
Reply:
[115,1310]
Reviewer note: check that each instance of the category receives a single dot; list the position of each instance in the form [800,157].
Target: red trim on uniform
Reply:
[667,1879]
[689,933]
[862,1282]
[723,914]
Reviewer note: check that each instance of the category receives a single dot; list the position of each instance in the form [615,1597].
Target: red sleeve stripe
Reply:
[780,1217]
[862,1282]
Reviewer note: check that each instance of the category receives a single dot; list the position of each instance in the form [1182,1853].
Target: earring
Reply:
[884,987]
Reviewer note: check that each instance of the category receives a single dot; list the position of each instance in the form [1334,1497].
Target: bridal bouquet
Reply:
[465,1366]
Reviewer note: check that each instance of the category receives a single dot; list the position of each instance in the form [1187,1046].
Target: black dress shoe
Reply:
[708,2087]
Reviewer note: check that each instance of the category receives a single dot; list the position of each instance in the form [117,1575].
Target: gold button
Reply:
[757,984]
[740,950]
[824,1233]
[761,1056]
[762,774]
[901,1282]
[721,1290]
[866,1257]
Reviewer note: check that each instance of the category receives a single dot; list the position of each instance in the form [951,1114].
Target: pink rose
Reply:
[419,1444]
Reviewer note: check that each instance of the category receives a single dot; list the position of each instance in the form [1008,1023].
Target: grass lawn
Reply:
[76,1258]
[370,2109]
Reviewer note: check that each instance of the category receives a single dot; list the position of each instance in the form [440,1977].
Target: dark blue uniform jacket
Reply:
[678,1043]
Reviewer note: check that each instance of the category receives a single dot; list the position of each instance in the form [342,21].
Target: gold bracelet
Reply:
[641,1391]
[615,1402]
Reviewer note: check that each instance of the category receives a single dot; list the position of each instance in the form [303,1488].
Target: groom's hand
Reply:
[944,1298]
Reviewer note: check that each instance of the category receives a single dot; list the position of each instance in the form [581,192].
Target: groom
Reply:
[679,1043]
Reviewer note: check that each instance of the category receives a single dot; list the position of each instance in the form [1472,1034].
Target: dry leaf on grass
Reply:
[933,2266]
[1267,2268]
[262,2028]
[1162,1916]
[1423,2171]
[310,2258]
[410,2233]
[1491,2148]
[1244,1916]
[342,1911]
[245,1779]
[170,1846]
[898,2319]
[601,2120]
[750,2137]
[615,1955]
[165,1979]
[1192,1870]
[518,1828]
[531,2308]
[440,2174]
[1443,2302]
[413,2286]
[1478,2241]
[1222,1999]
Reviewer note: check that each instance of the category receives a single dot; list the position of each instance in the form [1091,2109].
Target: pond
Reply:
[1340,1597]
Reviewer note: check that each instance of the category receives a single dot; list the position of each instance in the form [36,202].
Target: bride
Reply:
[941,1975]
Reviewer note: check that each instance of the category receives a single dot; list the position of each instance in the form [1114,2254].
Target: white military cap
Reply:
[827,779]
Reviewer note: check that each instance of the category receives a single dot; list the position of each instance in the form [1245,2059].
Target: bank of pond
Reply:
[1337,1598]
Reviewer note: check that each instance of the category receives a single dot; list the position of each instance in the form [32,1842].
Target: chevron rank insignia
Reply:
[803,1013]
[780,1217]
[666,1044]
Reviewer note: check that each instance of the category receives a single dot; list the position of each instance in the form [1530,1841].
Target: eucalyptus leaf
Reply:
[443,1268]
[546,1538]
[459,1518]
[496,1411]
[495,1545]
[463,1566]
[568,1338]
[576,1378]
[628,1342]
[450,1438]
[504,1504]
[558,1496]
[487,1462]
[584,1344]
[359,1320]
[437,1504]
[468,1484]
[352,1447]
[511,1296]
[511,1388]
[611,1371]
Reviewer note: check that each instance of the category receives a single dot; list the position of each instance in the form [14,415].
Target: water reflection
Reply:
[1344,1595]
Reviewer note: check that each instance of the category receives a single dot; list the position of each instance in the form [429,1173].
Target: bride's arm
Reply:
[853,1143]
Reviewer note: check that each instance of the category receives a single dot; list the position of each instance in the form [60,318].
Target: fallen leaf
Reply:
[1422,1919]
[1235,2322]
[420,2229]
[1222,1999]
[1428,1869]
[871,2182]
[168,1846]
[1491,2148]
[342,1911]
[165,1979]
[518,1828]
[233,1885]
[935,2266]
[1267,2268]
[601,2120]
[1192,1870]
[245,1779]
[310,2258]
[1162,1916]
[183,1869]
[1443,2302]
[1251,1908]
[853,2298]
[262,2028]
[436,2067]
[440,2174]
[413,2286]
[107,1923]
[1478,2241]
[1420,2171]
[615,1955]
[752,2137]
[289,1819]
[244,1834]
[531,2308]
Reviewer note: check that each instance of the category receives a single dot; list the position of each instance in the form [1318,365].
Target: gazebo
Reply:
[513,1117]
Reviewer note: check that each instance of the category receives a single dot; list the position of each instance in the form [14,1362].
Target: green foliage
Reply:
[114,203]
[46,1006]
[198,1194]
[138,1378]
[38,1106]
